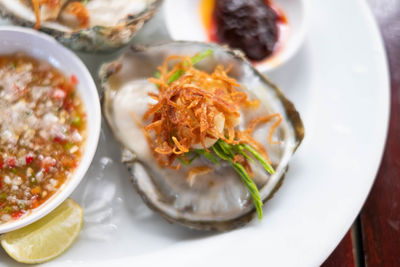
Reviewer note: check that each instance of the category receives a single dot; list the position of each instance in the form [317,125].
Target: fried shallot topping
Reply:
[75,8]
[194,109]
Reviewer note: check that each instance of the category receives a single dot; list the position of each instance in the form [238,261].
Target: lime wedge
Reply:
[47,238]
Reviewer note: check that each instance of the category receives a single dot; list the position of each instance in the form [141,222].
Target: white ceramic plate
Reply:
[339,82]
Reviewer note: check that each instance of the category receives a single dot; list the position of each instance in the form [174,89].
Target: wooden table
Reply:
[374,239]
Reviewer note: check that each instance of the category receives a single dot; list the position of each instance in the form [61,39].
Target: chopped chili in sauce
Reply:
[42,131]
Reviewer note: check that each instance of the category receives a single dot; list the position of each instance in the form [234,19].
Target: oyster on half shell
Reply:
[218,200]
[112,23]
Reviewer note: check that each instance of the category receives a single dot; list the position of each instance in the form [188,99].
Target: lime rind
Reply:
[47,238]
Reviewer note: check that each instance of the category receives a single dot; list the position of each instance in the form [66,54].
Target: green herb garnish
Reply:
[208,155]
[226,152]
[33,181]
[198,152]
[68,146]
[3,196]
[200,56]
[21,206]
[186,161]
[239,149]
[77,121]
[7,209]
[195,59]
[251,186]
[260,158]
[175,76]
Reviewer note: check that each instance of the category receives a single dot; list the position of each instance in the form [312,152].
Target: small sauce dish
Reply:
[187,20]
[44,48]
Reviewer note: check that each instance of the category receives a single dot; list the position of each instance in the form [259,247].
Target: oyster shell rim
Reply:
[109,68]
[90,42]
[215,225]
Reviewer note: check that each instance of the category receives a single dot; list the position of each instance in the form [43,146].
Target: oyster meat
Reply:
[219,200]
[93,25]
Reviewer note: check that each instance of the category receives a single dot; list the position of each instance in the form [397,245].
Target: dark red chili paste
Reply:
[249,25]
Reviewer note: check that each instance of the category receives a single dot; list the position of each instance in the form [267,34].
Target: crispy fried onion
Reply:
[76,8]
[36,7]
[195,172]
[246,138]
[185,111]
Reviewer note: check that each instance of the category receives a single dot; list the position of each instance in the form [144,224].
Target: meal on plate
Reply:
[250,25]
[90,25]
[42,133]
[206,138]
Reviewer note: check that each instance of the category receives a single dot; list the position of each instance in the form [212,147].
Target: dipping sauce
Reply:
[42,133]
[250,25]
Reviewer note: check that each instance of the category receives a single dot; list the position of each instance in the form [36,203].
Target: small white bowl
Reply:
[184,22]
[41,46]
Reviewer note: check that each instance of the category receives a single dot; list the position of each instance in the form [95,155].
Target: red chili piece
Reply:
[17,214]
[58,139]
[11,162]
[74,80]
[29,159]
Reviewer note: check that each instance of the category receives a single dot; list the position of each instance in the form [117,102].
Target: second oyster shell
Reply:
[102,37]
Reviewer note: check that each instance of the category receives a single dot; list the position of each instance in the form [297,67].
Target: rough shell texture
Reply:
[154,185]
[97,38]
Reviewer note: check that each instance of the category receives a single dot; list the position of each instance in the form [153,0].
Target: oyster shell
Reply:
[219,200]
[105,32]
